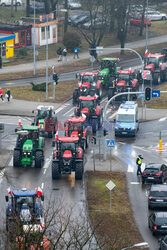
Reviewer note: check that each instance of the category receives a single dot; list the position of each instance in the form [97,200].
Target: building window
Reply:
[3,49]
[17,38]
[28,38]
[22,37]
[43,33]
[54,33]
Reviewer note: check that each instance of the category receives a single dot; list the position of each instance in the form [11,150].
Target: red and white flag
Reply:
[39,192]
[9,191]
[19,122]
[56,136]
[146,52]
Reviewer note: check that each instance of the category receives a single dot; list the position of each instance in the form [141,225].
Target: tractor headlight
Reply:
[84,90]
[133,128]
[94,84]
[116,127]
[24,153]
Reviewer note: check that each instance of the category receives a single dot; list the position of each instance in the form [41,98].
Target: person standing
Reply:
[64,55]
[1,94]
[76,51]
[59,53]
[8,94]
[138,162]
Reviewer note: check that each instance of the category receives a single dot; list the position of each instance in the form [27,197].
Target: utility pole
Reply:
[34,43]
[147,25]
[47,58]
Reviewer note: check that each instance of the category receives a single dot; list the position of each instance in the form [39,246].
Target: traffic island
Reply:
[115,228]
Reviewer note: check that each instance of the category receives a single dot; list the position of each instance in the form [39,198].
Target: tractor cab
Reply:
[67,146]
[126,78]
[155,60]
[87,104]
[87,76]
[109,65]
[44,112]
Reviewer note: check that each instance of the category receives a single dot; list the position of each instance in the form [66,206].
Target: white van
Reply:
[8,2]
[127,121]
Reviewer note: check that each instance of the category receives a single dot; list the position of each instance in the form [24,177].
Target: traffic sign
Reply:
[155,93]
[110,185]
[92,59]
[141,95]
[110,143]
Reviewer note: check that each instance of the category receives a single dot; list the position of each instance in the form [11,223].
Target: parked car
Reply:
[73,5]
[81,20]
[157,196]
[96,23]
[156,15]
[157,223]
[8,2]
[137,21]
[39,7]
[154,172]
[163,243]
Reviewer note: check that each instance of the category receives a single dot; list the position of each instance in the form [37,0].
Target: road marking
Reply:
[141,148]
[130,169]
[69,111]
[113,115]
[135,183]
[105,99]
[60,108]
[1,175]
[148,133]
[46,165]
[164,159]
[11,162]
[42,185]
[162,119]
[44,172]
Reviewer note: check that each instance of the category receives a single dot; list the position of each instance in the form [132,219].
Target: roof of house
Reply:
[13,27]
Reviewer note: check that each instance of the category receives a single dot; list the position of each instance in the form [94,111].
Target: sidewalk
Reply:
[83,55]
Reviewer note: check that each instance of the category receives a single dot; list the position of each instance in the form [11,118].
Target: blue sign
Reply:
[155,93]
[141,95]
[110,143]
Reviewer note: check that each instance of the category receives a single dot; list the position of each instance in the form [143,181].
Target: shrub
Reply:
[71,40]
[21,52]
[39,87]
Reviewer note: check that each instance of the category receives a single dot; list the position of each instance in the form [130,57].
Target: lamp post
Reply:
[34,43]
[147,25]
[61,10]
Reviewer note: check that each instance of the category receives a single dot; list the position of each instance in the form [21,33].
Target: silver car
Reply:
[156,15]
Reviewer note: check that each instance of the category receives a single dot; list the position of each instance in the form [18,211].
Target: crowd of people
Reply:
[7,95]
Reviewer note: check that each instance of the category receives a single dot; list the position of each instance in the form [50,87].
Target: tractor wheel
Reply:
[110,93]
[94,126]
[75,96]
[157,79]
[38,159]
[164,75]
[55,171]
[100,92]
[79,170]
[17,158]
[50,134]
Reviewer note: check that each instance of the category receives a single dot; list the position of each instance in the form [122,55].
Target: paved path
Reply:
[84,55]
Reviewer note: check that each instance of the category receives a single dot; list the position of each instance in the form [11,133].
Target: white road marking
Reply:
[165,159]
[146,150]
[42,185]
[46,165]
[11,162]
[130,169]
[122,143]
[60,108]
[44,172]
[113,115]
[148,133]
[135,183]
[69,111]
[104,100]
[162,119]
[1,175]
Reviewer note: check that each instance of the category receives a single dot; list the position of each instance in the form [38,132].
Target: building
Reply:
[41,27]
[22,33]
[7,45]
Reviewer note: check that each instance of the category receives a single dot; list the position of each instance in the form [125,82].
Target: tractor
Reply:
[108,72]
[30,146]
[90,108]
[126,81]
[68,156]
[46,120]
[156,64]
[88,84]
[24,208]
[75,127]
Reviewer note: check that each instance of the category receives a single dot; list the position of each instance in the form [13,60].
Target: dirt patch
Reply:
[114,230]
[5,157]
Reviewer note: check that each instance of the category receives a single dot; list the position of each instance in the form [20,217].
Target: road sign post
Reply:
[110,144]
[110,185]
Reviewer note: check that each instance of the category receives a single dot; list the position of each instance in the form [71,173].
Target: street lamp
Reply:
[61,10]
[34,43]
[139,245]
[147,25]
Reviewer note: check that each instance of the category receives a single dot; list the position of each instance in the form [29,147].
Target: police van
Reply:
[127,121]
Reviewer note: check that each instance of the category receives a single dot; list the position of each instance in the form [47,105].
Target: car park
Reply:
[154,172]
[157,223]
[156,15]
[157,197]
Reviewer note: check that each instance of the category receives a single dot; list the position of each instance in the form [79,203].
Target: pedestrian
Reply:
[1,94]
[138,162]
[64,55]
[8,94]
[76,51]
[59,53]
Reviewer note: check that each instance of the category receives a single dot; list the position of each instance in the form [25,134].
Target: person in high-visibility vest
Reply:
[138,162]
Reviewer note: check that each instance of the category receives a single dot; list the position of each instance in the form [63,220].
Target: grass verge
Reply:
[114,230]
[63,91]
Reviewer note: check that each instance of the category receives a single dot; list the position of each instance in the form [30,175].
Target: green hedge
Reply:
[39,87]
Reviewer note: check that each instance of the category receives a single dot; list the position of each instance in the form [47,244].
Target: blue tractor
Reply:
[24,209]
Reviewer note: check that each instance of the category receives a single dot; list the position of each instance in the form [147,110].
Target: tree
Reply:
[71,40]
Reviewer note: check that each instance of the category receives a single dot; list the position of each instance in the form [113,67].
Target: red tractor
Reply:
[68,156]
[90,108]
[88,84]
[156,64]
[46,120]
[75,127]
[126,81]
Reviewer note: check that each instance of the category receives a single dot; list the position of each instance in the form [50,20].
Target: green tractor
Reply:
[30,146]
[108,71]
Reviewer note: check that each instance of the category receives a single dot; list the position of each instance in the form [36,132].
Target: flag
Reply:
[19,122]
[39,192]
[9,191]
[56,136]
[146,52]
